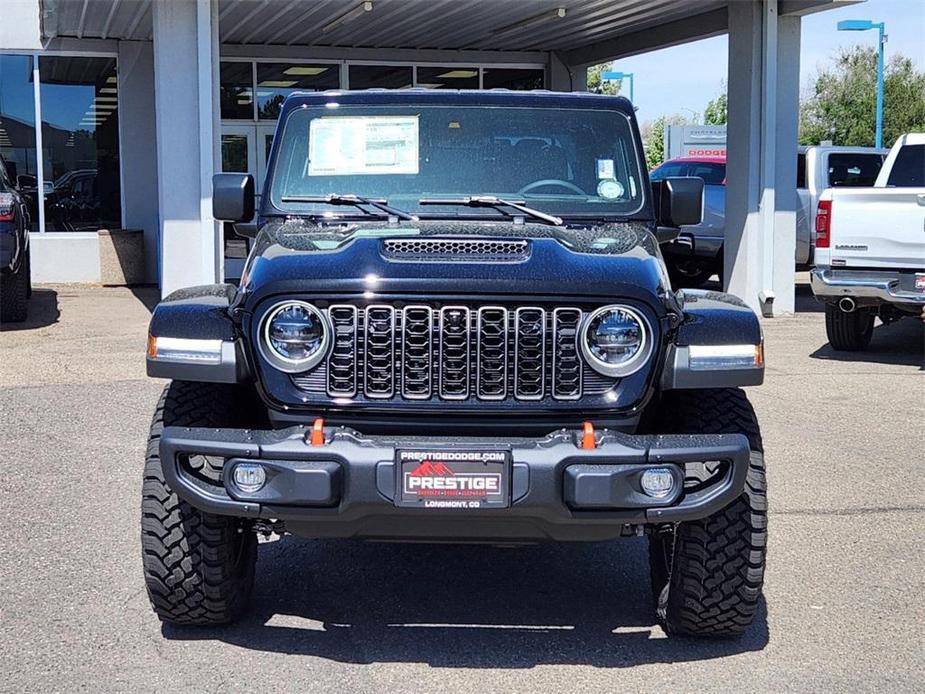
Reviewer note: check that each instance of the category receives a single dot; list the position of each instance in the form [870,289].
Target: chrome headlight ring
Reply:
[282,362]
[636,361]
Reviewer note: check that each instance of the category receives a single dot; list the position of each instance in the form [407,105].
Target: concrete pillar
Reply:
[761,150]
[139,147]
[785,179]
[562,77]
[186,65]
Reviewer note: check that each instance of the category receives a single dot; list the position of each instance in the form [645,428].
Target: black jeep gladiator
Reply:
[455,325]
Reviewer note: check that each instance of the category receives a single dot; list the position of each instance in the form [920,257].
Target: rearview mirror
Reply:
[678,201]
[233,197]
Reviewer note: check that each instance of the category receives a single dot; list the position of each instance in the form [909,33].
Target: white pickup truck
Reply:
[870,248]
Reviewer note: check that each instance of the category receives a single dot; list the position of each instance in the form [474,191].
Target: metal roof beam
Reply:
[674,33]
[801,8]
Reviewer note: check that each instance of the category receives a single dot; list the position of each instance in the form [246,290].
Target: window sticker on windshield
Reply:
[605,168]
[370,145]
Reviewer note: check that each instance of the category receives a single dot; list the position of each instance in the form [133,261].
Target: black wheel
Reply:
[14,294]
[690,272]
[198,567]
[848,332]
[707,575]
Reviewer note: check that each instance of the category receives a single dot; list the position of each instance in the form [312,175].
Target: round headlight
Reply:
[295,336]
[615,340]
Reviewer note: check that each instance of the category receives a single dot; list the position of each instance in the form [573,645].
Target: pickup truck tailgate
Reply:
[878,227]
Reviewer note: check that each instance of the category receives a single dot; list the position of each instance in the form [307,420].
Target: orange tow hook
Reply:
[588,440]
[317,438]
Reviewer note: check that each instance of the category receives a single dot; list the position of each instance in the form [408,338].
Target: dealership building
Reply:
[116,113]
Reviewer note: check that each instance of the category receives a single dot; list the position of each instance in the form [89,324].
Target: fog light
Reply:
[249,477]
[657,482]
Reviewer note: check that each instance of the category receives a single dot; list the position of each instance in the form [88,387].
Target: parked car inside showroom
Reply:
[456,325]
[15,266]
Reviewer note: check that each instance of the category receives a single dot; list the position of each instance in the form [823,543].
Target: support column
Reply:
[761,156]
[563,77]
[186,107]
[139,147]
[785,180]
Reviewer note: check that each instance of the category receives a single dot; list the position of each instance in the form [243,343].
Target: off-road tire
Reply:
[707,575]
[198,567]
[14,294]
[848,332]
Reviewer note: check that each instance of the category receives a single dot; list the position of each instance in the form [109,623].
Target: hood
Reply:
[606,260]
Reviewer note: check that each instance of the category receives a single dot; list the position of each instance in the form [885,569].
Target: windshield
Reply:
[567,162]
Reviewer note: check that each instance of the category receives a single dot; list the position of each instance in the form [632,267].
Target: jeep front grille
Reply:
[456,250]
[454,353]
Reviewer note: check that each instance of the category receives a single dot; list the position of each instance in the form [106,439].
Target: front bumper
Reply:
[887,286]
[557,489]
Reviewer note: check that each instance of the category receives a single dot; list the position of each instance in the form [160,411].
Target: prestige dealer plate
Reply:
[453,478]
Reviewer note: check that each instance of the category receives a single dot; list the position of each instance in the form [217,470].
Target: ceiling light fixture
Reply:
[283,84]
[348,16]
[459,74]
[304,70]
[557,13]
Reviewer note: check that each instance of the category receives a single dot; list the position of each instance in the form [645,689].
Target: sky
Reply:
[666,84]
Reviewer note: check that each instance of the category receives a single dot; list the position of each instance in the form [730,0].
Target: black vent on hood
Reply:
[456,250]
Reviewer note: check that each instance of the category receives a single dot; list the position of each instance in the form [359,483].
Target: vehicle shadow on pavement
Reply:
[804,301]
[147,294]
[462,606]
[43,311]
[901,343]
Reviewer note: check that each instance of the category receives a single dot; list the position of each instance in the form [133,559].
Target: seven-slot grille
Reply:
[454,352]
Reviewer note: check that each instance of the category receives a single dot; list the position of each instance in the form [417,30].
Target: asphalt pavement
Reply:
[843,609]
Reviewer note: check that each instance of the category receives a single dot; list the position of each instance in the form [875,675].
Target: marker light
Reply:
[249,477]
[718,357]
[657,482]
[185,350]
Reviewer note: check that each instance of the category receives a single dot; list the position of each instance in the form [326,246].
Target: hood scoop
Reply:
[455,250]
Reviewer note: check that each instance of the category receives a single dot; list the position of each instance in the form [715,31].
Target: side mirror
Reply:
[233,197]
[678,201]
[11,170]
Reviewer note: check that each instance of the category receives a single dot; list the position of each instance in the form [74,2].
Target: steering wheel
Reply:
[551,182]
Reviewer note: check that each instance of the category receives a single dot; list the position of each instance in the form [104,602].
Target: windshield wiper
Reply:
[497,203]
[354,200]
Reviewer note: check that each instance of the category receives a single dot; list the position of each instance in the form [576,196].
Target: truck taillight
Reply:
[823,223]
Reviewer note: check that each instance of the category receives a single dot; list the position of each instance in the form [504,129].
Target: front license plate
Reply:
[920,281]
[453,479]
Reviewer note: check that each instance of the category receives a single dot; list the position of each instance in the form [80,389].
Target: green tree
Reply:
[716,109]
[597,85]
[841,103]
[653,137]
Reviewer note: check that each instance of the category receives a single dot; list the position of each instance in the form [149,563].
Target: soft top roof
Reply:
[452,97]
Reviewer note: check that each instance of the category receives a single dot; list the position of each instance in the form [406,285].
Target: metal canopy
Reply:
[514,25]
[583,31]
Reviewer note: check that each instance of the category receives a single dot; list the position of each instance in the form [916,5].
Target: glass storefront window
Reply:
[80,143]
[234,153]
[381,76]
[454,77]
[512,78]
[17,127]
[275,81]
[236,90]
